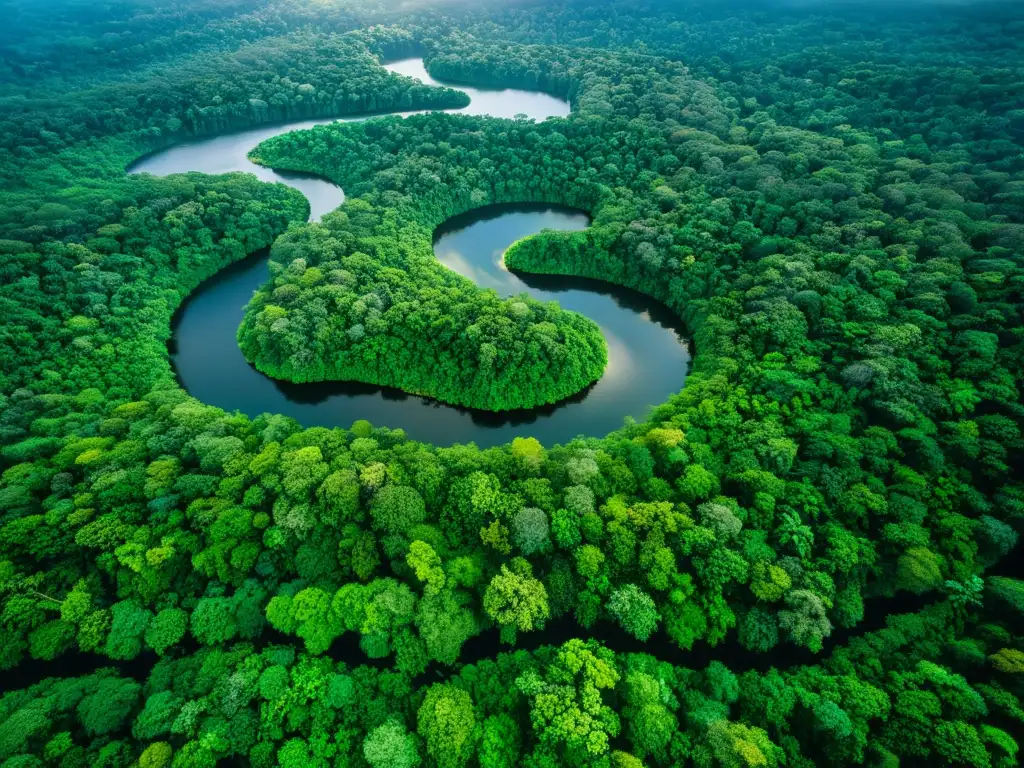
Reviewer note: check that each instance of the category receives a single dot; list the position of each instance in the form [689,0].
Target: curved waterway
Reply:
[647,356]
[229,152]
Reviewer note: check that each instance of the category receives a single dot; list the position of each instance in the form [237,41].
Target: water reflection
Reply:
[229,152]
[647,355]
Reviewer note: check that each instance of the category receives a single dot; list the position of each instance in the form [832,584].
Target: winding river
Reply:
[647,356]
[647,361]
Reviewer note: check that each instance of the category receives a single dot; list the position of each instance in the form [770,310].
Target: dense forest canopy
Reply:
[805,557]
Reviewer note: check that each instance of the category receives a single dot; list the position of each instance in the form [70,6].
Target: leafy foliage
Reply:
[831,202]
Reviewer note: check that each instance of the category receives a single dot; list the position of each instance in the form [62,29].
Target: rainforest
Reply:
[610,383]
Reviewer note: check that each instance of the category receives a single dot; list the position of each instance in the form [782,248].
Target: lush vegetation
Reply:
[820,520]
[362,298]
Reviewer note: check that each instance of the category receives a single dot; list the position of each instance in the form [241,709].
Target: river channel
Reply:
[647,354]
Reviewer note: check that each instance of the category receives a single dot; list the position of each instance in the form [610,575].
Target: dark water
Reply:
[647,357]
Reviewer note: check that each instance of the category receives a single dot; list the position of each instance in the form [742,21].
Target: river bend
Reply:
[647,355]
